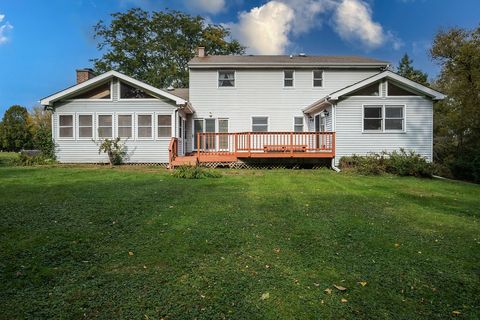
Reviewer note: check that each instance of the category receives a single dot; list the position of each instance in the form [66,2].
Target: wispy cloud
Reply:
[5,27]
[206,6]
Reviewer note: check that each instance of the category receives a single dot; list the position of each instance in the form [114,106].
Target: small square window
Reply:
[226,78]
[298,124]
[260,124]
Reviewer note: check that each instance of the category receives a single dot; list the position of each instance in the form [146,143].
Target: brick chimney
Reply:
[84,75]
[200,52]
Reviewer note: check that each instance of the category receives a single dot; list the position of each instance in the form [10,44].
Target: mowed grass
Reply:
[137,243]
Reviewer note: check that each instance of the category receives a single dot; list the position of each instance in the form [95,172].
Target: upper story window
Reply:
[65,125]
[317,78]
[371,90]
[226,78]
[259,124]
[384,118]
[298,124]
[130,92]
[394,90]
[288,78]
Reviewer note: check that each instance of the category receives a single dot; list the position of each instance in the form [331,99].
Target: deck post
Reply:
[333,143]
[248,144]
[291,143]
[235,143]
[198,145]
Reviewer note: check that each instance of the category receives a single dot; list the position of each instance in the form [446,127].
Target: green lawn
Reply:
[137,243]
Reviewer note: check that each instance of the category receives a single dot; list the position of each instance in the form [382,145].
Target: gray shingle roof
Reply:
[285,60]
[179,92]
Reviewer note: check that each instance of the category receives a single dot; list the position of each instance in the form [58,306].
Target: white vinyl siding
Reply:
[416,136]
[76,150]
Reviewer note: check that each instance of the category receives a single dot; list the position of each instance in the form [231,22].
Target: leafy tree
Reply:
[406,69]
[156,47]
[457,118]
[16,129]
[41,127]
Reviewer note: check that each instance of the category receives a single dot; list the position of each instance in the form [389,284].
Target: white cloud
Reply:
[4,29]
[353,22]
[269,29]
[207,6]
[265,29]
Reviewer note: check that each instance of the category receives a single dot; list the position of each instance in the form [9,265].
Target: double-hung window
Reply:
[226,79]
[124,125]
[298,124]
[144,126]
[105,126]
[85,126]
[259,124]
[65,126]
[288,78]
[164,122]
[383,118]
[394,118]
[317,78]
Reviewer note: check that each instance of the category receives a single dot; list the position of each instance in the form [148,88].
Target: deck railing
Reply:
[245,143]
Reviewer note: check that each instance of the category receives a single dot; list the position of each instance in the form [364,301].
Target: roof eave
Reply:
[207,65]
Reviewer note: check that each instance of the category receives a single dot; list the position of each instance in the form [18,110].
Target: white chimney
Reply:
[201,52]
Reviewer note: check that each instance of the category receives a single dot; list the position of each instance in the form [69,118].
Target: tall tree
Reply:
[457,119]
[156,47]
[405,68]
[16,129]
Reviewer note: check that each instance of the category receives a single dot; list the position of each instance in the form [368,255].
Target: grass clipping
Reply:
[196,172]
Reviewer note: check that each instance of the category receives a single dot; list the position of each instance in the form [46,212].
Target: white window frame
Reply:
[119,86]
[234,79]
[293,79]
[132,115]
[385,118]
[260,116]
[152,125]
[97,123]
[77,127]
[172,125]
[383,107]
[313,78]
[295,125]
[73,125]
[96,100]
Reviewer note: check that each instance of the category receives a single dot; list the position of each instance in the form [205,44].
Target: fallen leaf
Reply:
[328,291]
[343,300]
[276,250]
[397,245]
[363,283]
[339,287]
[456,313]
[265,296]
[130,253]
[316,284]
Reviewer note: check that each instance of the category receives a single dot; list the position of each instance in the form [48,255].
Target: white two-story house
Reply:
[242,108]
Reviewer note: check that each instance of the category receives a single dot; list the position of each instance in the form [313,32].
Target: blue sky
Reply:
[43,42]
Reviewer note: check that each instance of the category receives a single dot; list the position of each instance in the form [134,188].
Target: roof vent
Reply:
[302,54]
[170,88]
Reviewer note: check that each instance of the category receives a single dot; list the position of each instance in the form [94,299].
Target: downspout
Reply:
[334,127]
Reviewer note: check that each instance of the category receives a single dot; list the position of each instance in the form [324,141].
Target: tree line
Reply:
[156,47]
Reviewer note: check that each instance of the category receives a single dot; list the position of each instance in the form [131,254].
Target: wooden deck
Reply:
[232,147]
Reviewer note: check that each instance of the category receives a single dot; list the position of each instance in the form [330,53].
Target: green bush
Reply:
[32,159]
[194,172]
[400,163]
[115,150]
